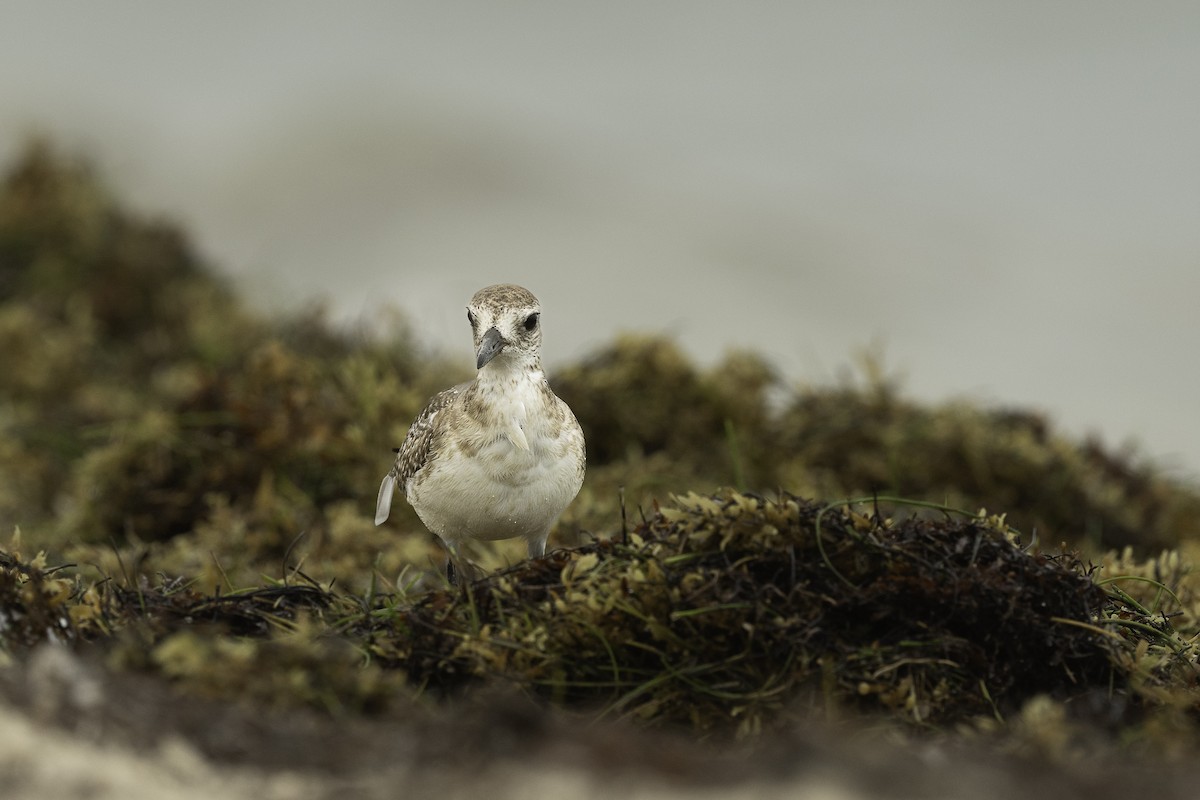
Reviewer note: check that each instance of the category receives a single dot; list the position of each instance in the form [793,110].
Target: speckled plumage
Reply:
[498,457]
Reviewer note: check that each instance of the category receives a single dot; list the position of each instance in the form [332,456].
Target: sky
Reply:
[1004,198]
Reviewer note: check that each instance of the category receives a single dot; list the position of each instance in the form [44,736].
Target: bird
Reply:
[497,457]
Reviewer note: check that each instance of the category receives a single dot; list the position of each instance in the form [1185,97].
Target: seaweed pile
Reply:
[728,614]
[203,479]
[737,610]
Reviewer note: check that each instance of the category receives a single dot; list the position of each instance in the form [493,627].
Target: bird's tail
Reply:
[383,506]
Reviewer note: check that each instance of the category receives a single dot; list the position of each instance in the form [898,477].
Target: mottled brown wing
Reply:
[411,455]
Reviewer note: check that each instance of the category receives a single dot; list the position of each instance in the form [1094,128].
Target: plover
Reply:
[498,457]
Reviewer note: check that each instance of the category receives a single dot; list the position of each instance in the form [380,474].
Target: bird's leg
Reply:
[537,546]
[453,560]
[459,571]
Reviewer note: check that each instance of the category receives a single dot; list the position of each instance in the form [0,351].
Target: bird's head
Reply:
[507,326]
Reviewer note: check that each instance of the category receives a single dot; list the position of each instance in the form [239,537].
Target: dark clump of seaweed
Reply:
[739,611]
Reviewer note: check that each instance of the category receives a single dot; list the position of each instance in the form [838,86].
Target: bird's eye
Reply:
[471,317]
[531,321]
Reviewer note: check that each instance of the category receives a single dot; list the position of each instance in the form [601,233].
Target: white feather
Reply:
[383,506]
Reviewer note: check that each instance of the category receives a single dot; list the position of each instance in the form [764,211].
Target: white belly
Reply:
[501,492]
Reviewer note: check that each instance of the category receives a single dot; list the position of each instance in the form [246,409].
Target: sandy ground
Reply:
[68,729]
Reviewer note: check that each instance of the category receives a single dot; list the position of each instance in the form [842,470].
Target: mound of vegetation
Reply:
[204,478]
[728,614]
[641,403]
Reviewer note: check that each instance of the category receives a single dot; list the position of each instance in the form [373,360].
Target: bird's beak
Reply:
[490,347]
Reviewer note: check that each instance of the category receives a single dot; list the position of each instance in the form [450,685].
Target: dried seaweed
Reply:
[179,448]
[737,607]
[730,614]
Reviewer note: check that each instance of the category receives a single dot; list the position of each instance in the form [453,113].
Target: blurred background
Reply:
[1003,197]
